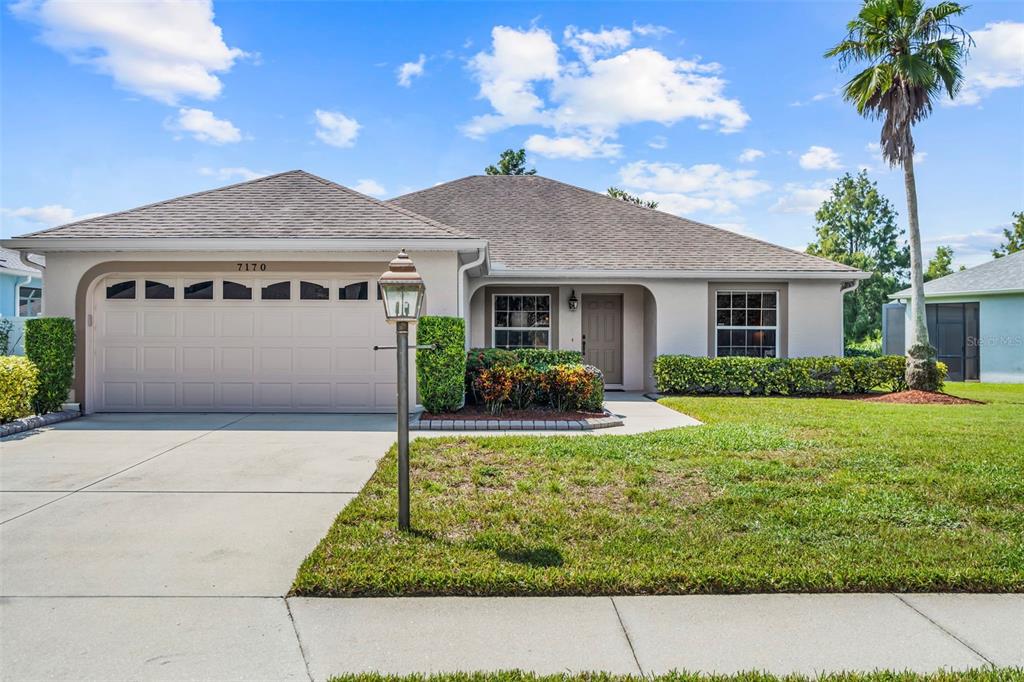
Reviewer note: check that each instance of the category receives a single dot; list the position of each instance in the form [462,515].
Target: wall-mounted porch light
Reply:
[574,302]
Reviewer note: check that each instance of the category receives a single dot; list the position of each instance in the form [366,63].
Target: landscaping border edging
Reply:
[37,420]
[498,424]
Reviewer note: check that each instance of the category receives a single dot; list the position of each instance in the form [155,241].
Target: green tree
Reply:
[623,195]
[941,264]
[857,226]
[914,54]
[1014,237]
[511,162]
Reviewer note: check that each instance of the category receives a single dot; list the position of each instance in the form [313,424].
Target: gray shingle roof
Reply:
[9,261]
[534,223]
[1001,274]
[291,205]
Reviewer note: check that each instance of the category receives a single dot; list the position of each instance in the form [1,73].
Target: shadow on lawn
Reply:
[540,557]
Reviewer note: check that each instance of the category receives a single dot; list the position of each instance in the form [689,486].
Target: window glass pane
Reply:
[501,339]
[769,300]
[30,301]
[723,318]
[768,318]
[769,338]
[723,337]
[754,299]
[739,318]
[540,339]
[501,302]
[544,303]
[354,292]
[311,291]
[544,319]
[158,290]
[517,319]
[279,291]
[233,291]
[500,319]
[754,317]
[200,291]
[122,290]
[738,337]
[723,299]
[529,302]
[739,300]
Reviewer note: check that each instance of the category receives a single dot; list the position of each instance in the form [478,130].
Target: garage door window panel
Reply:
[235,291]
[277,291]
[121,290]
[199,291]
[159,291]
[313,291]
[357,291]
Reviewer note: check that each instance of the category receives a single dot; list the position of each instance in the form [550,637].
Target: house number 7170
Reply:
[251,267]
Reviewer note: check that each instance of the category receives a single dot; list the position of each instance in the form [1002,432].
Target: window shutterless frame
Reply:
[747,320]
[510,328]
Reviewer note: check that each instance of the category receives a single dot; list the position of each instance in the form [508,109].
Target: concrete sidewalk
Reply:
[243,638]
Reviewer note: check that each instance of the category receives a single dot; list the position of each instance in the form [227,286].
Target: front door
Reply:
[602,334]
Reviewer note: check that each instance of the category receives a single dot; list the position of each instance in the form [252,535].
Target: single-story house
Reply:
[262,296]
[975,321]
[21,294]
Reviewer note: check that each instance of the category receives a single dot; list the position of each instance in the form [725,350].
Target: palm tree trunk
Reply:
[921,368]
[919,328]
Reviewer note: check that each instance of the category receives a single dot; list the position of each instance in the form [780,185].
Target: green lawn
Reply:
[772,494]
[985,675]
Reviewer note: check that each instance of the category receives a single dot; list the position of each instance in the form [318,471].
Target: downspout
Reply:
[461,287]
[845,288]
[29,265]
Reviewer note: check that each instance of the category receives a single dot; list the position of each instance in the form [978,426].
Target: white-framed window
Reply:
[747,323]
[30,301]
[521,321]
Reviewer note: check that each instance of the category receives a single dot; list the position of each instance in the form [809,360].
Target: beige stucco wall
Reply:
[815,318]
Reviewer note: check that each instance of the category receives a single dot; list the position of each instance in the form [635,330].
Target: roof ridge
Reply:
[434,187]
[695,222]
[387,204]
[164,201]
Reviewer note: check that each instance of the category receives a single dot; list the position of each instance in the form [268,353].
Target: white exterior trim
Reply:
[673,274]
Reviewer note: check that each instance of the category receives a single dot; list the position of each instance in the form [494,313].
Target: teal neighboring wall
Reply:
[9,284]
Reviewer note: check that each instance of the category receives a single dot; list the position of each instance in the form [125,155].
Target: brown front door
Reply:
[602,334]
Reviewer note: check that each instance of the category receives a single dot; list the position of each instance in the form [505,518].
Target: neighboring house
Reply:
[262,296]
[21,295]
[975,321]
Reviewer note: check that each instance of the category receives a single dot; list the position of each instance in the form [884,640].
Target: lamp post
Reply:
[402,291]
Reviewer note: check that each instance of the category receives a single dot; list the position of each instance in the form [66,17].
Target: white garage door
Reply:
[299,343]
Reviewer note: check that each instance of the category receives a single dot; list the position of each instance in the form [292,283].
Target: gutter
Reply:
[496,272]
[220,244]
[900,296]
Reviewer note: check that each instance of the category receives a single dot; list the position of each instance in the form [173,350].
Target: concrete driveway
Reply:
[103,518]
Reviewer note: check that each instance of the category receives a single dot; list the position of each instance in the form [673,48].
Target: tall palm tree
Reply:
[914,53]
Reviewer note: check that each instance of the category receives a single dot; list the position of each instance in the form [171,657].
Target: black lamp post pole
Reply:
[402,332]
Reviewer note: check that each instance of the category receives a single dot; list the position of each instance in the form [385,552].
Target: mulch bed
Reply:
[477,413]
[913,397]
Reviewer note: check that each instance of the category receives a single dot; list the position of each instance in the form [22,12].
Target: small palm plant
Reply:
[914,54]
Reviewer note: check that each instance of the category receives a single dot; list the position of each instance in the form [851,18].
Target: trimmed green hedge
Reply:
[441,371]
[50,345]
[683,374]
[19,381]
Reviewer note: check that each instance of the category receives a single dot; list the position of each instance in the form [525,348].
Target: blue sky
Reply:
[724,112]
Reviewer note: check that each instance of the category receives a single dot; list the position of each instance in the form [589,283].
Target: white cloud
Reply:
[161,49]
[750,155]
[818,158]
[658,142]
[571,147]
[589,44]
[996,61]
[46,216]
[799,198]
[336,129]
[702,187]
[816,98]
[410,70]
[240,173]
[371,187]
[595,97]
[205,127]
[653,30]
[969,248]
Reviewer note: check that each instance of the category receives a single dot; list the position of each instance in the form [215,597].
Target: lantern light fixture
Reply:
[574,302]
[401,289]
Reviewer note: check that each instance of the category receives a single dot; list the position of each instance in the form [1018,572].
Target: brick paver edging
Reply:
[499,424]
[37,420]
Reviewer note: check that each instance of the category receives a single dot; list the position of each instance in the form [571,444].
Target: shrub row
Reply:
[562,387]
[533,377]
[19,381]
[776,376]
